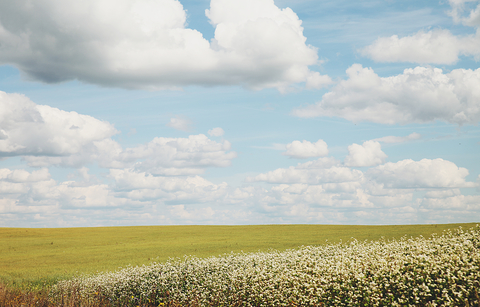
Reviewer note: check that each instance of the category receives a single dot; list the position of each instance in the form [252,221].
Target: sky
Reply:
[239,112]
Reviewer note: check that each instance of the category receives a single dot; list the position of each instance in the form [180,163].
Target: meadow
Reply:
[38,258]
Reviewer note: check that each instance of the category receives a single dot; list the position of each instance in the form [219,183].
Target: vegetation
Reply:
[441,271]
[37,257]
[32,260]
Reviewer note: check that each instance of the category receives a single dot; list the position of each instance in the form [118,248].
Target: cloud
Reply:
[458,9]
[426,173]
[143,186]
[196,214]
[35,130]
[46,136]
[180,123]
[453,203]
[419,95]
[316,81]
[176,156]
[436,46]
[368,154]
[383,194]
[306,149]
[22,176]
[37,192]
[145,44]
[399,139]
[324,170]
[28,193]
[216,132]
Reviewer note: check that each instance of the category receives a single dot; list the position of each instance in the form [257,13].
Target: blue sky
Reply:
[143,112]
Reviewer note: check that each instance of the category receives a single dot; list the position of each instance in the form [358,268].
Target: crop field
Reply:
[322,273]
[46,254]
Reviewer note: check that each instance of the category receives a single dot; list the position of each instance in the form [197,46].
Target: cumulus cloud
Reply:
[306,149]
[36,192]
[28,193]
[418,95]
[146,44]
[29,129]
[398,139]
[216,132]
[436,46]
[294,175]
[388,189]
[453,203]
[462,13]
[144,186]
[196,214]
[180,123]
[426,173]
[325,170]
[46,136]
[22,176]
[381,195]
[368,154]
[176,156]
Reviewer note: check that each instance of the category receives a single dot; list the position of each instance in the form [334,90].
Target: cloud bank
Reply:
[438,46]
[161,182]
[38,130]
[306,149]
[368,154]
[419,95]
[145,44]
[46,136]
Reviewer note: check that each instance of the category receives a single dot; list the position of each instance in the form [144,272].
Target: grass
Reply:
[35,258]
[443,270]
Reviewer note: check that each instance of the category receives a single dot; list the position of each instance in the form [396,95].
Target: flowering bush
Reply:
[440,271]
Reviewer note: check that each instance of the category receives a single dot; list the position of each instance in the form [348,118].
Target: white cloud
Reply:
[368,154]
[26,193]
[306,149]
[383,193]
[195,214]
[436,46]
[146,187]
[70,195]
[458,12]
[22,176]
[312,172]
[426,173]
[37,192]
[398,139]
[145,44]
[316,81]
[176,156]
[321,163]
[465,203]
[216,132]
[418,95]
[442,193]
[46,136]
[180,123]
[33,130]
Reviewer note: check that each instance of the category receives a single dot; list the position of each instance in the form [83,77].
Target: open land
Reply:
[267,265]
[47,254]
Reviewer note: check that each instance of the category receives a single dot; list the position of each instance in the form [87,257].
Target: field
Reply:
[42,256]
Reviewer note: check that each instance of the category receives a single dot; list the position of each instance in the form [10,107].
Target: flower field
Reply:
[441,271]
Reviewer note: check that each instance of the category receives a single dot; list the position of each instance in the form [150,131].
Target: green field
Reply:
[33,255]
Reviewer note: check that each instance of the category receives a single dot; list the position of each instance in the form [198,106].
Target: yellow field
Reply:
[36,255]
